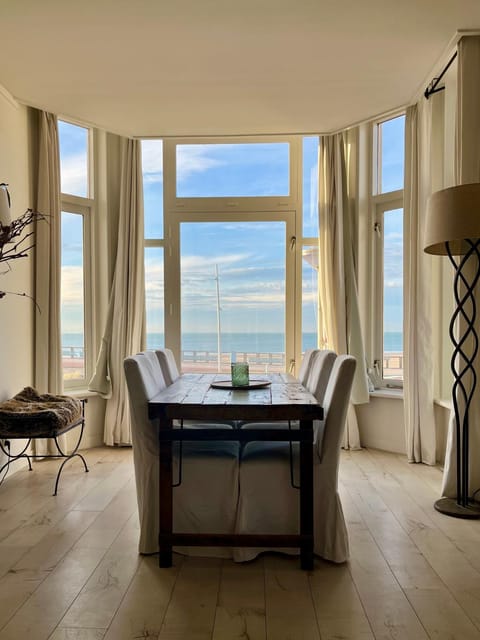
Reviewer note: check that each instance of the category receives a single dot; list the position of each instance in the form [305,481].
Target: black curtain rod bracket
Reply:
[433,86]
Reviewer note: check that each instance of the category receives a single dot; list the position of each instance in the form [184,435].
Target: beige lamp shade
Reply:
[453,216]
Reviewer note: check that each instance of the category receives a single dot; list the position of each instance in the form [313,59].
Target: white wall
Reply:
[16,313]
[380,423]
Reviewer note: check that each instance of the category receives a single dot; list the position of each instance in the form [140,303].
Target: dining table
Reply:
[211,398]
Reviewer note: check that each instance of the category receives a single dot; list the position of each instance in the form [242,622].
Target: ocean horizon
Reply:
[232,342]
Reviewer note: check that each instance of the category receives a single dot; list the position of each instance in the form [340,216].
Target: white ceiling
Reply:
[213,67]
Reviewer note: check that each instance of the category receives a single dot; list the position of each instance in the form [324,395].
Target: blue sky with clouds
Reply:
[392,179]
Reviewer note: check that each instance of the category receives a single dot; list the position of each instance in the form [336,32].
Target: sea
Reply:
[72,343]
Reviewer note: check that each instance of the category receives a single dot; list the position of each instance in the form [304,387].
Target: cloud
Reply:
[206,264]
[72,317]
[72,285]
[154,283]
[194,159]
[245,295]
[154,292]
[394,283]
[152,161]
[254,300]
[191,159]
[309,297]
[74,174]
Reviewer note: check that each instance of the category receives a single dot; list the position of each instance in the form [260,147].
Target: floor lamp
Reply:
[452,228]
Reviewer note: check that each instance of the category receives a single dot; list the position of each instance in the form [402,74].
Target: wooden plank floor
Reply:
[69,567]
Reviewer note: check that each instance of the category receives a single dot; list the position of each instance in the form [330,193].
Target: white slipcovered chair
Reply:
[305,365]
[321,363]
[171,373]
[168,365]
[206,500]
[319,371]
[268,501]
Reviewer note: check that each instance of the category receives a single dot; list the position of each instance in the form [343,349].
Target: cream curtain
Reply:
[467,170]
[124,333]
[417,278]
[48,365]
[339,314]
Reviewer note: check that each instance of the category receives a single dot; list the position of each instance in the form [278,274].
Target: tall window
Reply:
[152,169]
[310,243]
[388,228]
[76,220]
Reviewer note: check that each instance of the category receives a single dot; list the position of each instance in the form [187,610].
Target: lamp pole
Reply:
[465,351]
[452,228]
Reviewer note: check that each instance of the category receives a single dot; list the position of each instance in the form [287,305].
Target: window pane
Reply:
[152,168]
[309,298]
[72,297]
[233,295]
[73,142]
[310,187]
[393,294]
[154,297]
[233,170]
[392,136]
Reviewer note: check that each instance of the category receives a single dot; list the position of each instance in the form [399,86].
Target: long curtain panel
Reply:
[418,352]
[339,313]
[467,170]
[48,365]
[124,333]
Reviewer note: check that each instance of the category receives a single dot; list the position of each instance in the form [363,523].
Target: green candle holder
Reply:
[240,376]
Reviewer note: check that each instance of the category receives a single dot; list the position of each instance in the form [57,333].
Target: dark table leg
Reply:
[165,496]
[306,498]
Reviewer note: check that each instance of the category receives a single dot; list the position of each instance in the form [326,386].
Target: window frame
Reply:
[178,210]
[380,203]
[85,207]
[385,203]
[174,203]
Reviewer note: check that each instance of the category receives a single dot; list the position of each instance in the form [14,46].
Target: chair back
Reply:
[321,367]
[144,380]
[335,404]
[168,365]
[305,365]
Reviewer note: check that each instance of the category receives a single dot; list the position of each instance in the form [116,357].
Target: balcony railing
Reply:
[201,360]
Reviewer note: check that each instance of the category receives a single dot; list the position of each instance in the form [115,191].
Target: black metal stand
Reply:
[465,379]
[61,454]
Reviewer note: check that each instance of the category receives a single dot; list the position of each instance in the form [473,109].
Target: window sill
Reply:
[396,394]
[80,393]
[441,402]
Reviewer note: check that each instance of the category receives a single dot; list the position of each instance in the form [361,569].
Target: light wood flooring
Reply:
[69,567]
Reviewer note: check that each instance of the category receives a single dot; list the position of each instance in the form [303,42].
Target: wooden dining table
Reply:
[192,397]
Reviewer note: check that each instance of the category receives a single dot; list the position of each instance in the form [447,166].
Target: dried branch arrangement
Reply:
[16,241]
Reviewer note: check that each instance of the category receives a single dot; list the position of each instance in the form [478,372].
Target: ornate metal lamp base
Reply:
[450,507]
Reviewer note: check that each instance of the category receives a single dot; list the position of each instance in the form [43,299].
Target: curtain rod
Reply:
[432,87]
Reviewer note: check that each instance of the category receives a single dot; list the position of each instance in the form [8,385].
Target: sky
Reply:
[73,143]
[392,179]
[248,256]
